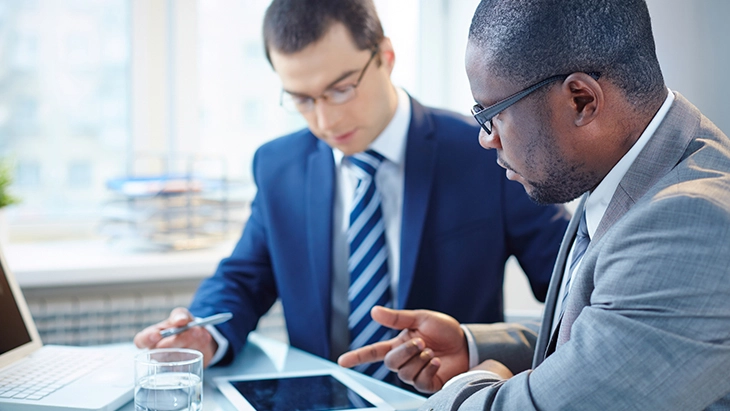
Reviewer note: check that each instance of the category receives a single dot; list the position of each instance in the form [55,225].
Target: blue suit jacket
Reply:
[462,219]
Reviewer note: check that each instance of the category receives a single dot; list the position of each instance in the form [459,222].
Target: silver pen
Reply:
[212,320]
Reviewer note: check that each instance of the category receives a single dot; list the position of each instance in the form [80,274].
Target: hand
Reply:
[197,338]
[429,351]
[495,367]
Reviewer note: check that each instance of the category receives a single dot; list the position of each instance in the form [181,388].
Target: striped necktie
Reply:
[582,239]
[368,262]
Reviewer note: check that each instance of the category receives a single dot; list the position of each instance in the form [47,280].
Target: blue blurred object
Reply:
[175,210]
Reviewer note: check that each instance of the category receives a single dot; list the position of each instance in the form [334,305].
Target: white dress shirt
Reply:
[390,180]
[595,207]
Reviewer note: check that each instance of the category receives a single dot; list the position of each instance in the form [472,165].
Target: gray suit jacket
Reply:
[647,322]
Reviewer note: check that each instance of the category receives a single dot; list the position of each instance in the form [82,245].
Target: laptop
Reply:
[37,377]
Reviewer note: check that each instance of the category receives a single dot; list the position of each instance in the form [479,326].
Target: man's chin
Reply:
[532,193]
[537,199]
[542,196]
[347,149]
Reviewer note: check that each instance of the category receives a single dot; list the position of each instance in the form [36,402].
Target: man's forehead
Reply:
[486,87]
[318,64]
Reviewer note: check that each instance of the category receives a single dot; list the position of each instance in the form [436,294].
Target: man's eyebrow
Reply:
[342,77]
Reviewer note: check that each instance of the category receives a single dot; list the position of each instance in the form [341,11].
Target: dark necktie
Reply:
[582,239]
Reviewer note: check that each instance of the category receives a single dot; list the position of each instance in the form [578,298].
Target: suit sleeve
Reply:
[655,335]
[534,233]
[512,344]
[243,284]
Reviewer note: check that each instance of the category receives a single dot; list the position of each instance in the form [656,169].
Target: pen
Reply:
[212,320]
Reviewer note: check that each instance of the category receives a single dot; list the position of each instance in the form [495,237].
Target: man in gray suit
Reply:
[570,95]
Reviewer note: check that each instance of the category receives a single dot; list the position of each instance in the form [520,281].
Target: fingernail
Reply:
[180,317]
[420,344]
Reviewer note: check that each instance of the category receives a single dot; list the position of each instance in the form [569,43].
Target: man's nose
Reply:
[328,115]
[490,141]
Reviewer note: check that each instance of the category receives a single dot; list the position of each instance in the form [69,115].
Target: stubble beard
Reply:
[564,182]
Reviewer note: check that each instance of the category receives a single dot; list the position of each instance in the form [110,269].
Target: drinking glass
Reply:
[168,379]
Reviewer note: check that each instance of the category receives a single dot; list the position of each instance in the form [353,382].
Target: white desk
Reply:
[264,355]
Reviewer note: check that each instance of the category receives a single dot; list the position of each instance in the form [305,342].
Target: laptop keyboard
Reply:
[48,370]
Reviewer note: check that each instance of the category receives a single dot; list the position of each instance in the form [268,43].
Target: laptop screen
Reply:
[15,333]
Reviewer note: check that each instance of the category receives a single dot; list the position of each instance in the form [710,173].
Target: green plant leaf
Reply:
[6,179]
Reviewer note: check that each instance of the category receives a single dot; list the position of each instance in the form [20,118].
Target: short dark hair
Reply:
[528,40]
[292,25]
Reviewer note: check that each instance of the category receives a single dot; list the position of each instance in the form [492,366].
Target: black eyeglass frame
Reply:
[484,115]
[352,87]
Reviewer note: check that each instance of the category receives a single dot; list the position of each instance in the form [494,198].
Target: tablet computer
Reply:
[319,390]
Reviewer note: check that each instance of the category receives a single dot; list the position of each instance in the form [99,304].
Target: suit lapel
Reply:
[318,212]
[419,174]
[661,153]
[545,337]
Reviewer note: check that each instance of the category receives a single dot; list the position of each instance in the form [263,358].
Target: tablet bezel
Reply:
[242,404]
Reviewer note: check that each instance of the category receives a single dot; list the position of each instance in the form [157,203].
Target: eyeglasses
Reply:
[484,115]
[334,95]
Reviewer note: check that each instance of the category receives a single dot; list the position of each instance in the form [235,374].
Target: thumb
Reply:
[179,317]
[398,319]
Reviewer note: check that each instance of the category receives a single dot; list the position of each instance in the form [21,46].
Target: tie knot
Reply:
[367,161]
[583,228]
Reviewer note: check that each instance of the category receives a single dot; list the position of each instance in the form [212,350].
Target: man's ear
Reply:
[586,97]
[387,54]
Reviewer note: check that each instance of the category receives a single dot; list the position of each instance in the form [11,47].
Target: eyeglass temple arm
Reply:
[502,105]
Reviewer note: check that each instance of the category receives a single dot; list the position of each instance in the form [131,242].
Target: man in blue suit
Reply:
[449,218]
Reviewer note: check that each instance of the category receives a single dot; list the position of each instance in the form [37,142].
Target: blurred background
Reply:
[89,86]
[94,91]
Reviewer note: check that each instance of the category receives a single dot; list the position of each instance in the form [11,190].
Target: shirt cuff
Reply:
[473,355]
[480,373]
[222,344]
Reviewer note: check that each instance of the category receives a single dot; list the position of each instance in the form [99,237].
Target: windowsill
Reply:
[75,263]
[45,265]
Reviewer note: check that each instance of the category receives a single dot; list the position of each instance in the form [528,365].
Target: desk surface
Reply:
[264,355]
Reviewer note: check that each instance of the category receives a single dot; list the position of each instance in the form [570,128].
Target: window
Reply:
[64,114]
[238,90]
[92,89]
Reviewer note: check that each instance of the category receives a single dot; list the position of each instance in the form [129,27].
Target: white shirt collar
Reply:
[598,200]
[391,143]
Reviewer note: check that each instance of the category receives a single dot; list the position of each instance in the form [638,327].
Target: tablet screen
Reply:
[306,393]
